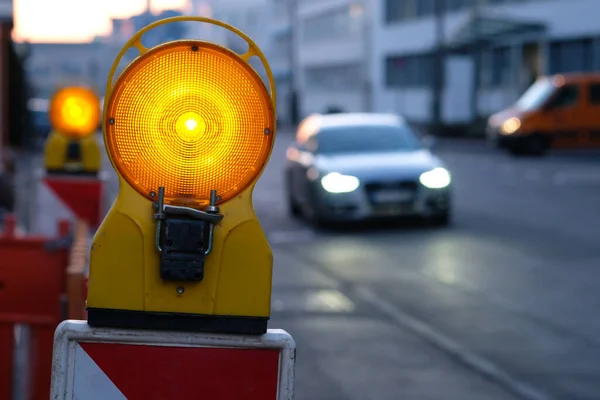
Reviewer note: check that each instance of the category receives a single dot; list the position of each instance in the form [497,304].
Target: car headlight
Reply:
[338,183]
[437,178]
[510,126]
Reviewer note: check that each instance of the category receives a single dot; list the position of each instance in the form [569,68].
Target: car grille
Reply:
[370,186]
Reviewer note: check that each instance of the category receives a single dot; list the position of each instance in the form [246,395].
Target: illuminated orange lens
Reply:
[75,112]
[192,117]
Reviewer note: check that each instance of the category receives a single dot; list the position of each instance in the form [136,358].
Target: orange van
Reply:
[560,111]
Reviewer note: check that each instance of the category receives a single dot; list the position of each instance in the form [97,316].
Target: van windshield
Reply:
[536,95]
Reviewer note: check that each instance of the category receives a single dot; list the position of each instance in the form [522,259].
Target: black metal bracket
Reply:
[73,153]
[184,238]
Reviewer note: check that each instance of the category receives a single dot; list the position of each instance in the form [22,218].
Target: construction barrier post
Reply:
[32,282]
[77,272]
[6,360]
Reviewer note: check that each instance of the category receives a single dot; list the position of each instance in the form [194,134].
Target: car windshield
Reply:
[366,139]
[536,95]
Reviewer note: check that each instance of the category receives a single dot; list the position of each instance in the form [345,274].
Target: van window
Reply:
[567,95]
[595,93]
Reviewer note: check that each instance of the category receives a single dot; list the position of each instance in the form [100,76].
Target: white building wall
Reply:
[412,103]
[490,101]
[339,50]
[50,66]
[457,92]
[318,102]
[279,52]
[204,8]
[565,19]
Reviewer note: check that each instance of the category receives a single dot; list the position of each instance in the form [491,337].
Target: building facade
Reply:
[333,45]
[249,16]
[6,26]
[380,55]
[50,65]
[280,54]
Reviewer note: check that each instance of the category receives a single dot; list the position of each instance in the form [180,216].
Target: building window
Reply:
[500,68]
[335,23]
[425,8]
[571,56]
[409,71]
[335,77]
[495,67]
[455,5]
[94,70]
[594,95]
[40,70]
[282,43]
[67,69]
[567,95]
[399,10]
[494,2]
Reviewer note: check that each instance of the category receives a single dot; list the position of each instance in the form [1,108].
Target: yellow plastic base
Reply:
[124,264]
[55,155]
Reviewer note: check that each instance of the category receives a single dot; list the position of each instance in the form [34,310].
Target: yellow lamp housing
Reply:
[189,127]
[72,148]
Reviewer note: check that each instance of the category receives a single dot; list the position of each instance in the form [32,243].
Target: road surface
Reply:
[502,305]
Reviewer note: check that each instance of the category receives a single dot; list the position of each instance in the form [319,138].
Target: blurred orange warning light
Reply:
[191,117]
[75,111]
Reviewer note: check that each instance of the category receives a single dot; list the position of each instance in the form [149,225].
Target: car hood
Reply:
[396,165]
[497,119]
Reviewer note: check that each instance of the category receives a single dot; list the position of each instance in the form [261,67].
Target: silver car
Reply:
[345,167]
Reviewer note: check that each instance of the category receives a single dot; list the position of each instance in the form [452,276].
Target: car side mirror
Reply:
[429,141]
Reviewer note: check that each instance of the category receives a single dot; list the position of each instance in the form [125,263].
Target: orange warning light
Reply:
[191,117]
[75,112]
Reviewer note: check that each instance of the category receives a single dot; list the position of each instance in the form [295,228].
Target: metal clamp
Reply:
[161,211]
[184,236]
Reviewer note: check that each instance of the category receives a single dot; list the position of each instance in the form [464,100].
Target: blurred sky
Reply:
[75,20]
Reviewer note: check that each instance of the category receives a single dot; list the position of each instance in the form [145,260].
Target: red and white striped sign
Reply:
[96,363]
[66,197]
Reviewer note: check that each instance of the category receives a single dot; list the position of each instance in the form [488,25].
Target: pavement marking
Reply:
[322,300]
[294,236]
[328,300]
[475,362]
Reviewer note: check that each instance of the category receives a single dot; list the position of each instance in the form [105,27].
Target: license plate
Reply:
[392,196]
[390,210]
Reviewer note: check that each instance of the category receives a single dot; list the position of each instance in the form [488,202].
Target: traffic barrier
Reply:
[66,197]
[77,272]
[37,275]
[187,316]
